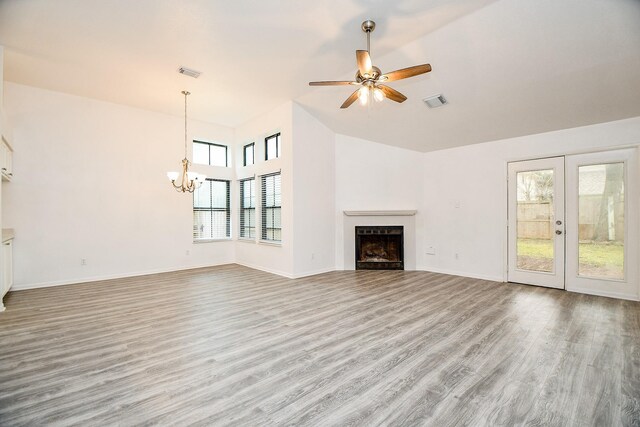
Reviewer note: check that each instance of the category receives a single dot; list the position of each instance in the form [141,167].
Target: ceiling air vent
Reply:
[435,101]
[189,72]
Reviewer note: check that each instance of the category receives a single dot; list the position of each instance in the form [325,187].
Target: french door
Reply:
[573,223]
[536,222]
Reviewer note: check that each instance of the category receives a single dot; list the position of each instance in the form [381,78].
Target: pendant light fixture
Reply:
[189,180]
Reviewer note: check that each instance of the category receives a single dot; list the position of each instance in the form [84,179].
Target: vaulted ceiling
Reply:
[507,67]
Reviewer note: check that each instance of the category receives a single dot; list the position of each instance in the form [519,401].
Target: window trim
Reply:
[266,145]
[209,144]
[244,153]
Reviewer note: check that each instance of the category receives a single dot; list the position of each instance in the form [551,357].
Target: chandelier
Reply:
[189,180]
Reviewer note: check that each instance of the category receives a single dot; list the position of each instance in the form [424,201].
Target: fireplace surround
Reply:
[379,247]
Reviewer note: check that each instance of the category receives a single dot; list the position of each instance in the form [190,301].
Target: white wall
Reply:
[90,182]
[371,176]
[273,258]
[464,198]
[313,190]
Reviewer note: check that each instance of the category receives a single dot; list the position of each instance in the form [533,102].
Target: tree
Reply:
[613,190]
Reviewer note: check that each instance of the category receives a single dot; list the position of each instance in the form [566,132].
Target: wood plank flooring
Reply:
[234,346]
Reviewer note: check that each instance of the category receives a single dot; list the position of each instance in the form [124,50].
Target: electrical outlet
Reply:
[431,250]
[456,255]
[313,255]
[187,252]
[83,261]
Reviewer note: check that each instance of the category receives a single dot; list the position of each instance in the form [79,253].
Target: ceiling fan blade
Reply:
[364,62]
[392,94]
[332,83]
[405,73]
[350,100]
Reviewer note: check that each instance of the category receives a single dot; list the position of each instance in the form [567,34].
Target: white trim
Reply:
[381,213]
[574,152]
[266,270]
[314,272]
[555,278]
[461,273]
[618,295]
[78,280]
[226,239]
[246,240]
[270,242]
[628,287]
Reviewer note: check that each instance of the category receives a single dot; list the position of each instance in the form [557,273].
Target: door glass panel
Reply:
[534,220]
[601,221]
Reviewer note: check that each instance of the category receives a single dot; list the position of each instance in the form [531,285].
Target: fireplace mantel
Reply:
[380,213]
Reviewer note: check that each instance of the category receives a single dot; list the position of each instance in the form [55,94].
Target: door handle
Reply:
[558,232]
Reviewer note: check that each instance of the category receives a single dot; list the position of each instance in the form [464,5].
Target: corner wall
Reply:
[90,183]
[372,176]
[314,198]
[276,259]
[465,190]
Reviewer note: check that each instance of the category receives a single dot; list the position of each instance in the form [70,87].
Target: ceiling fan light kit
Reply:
[370,78]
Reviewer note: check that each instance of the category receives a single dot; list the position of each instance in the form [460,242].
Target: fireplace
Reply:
[380,247]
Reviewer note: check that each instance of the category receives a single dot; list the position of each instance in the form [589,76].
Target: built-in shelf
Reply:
[380,213]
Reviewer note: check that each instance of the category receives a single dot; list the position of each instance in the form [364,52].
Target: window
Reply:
[206,153]
[272,147]
[271,208]
[249,150]
[248,208]
[211,211]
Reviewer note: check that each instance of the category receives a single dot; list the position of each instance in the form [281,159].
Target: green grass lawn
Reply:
[594,254]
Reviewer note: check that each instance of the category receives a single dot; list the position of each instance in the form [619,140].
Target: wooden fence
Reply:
[535,219]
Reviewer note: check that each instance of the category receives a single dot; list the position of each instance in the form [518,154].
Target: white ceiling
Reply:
[508,67]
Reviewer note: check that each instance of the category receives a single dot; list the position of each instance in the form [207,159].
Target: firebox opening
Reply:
[380,247]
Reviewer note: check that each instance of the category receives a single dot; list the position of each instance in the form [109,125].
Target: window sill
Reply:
[270,242]
[245,240]
[226,239]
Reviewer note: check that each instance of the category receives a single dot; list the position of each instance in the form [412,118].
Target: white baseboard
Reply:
[617,295]
[266,270]
[24,286]
[461,273]
[314,272]
[287,275]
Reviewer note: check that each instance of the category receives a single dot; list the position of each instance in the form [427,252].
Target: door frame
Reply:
[624,289]
[505,203]
[556,278]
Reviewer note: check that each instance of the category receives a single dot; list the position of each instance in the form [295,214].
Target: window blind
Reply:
[271,204]
[248,208]
[212,210]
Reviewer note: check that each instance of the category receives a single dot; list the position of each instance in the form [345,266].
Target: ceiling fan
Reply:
[370,78]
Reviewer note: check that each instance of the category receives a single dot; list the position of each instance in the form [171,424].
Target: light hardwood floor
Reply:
[232,345]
